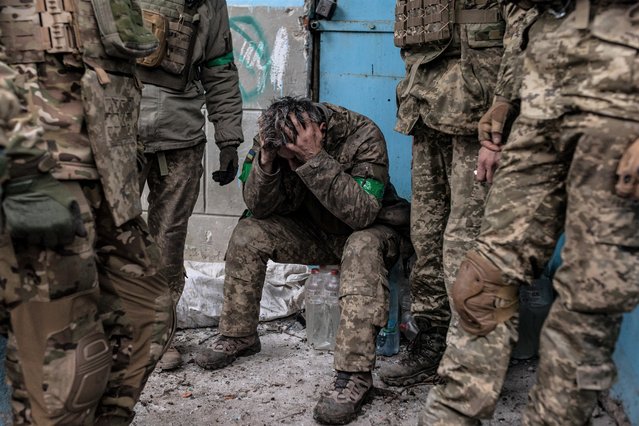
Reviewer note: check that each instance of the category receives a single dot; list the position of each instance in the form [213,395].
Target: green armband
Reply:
[220,60]
[247,166]
[371,186]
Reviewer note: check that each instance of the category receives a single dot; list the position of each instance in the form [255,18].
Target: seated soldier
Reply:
[317,188]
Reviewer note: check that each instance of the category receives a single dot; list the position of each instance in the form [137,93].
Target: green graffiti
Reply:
[254,55]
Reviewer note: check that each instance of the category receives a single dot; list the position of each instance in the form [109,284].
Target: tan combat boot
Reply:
[419,363]
[171,359]
[226,349]
[343,401]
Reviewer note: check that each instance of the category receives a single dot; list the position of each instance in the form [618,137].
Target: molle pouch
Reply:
[180,44]
[122,30]
[158,24]
[485,35]
[111,109]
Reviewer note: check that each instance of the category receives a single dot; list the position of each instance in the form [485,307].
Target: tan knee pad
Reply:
[91,373]
[480,296]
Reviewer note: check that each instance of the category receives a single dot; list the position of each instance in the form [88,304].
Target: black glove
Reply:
[41,210]
[228,166]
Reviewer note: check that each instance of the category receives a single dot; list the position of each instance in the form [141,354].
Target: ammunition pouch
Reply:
[480,296]
[29,29]
[170,65]
[35,27]
[421,22]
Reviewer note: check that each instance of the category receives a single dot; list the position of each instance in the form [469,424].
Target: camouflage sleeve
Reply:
[220,78]
[266,194]
[509,77]
[352,196]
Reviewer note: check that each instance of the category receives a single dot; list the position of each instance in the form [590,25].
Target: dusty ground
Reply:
[281,384]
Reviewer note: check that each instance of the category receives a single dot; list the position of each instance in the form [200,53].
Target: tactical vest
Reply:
[175,24]
[31,28]
[422,22]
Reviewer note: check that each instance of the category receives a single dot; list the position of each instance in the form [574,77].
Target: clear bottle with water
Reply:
[314,307]
[331,311]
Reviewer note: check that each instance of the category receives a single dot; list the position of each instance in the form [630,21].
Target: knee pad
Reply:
[91,373]
[480,296]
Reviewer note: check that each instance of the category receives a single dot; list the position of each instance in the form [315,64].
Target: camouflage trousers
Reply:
[88,321]
[446,210]
[172,197]
[365,256]
[553,173]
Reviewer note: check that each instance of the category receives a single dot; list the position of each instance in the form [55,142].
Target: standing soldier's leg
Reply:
[136,309]
[367,258]
[466,205]
[523,217]
[172,196]
[283,239]
[173,193]
[597,282]
[430,207]
[59,359]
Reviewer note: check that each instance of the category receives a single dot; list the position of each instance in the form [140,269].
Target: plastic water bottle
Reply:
[313,302]
[388,338]
[331,312]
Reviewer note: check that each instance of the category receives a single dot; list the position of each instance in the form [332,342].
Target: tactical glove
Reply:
[41,210]
[492,124]
[228,166]
[628,173]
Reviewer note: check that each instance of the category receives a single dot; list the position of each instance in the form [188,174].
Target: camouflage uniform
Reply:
[579,112]
[450,82]
[88,319]
[172,131]
[448,86]
[324,212]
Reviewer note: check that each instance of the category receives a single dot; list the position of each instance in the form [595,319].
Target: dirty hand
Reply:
[487,162]
[266,156]
[628,173]
[228,166]
[308,142]
[491,124]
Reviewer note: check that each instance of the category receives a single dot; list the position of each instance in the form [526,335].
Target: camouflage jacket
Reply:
[450,86]
[344,188]
[86,111]
[171,119]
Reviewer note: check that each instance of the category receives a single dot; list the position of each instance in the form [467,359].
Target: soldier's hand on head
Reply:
[628,173]
[266,156]
[228,166]
[308,142]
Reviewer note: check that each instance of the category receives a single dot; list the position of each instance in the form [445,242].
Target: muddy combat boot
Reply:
[343,402]
[171,359]
[226,350]
[419,363]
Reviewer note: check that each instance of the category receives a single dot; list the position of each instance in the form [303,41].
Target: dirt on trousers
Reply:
[281,385]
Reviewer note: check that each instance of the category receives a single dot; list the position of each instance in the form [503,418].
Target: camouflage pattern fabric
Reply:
[115,291]
[102,288]
[558,169]
[365,256]
[171,201]
[319,214]
[446,212]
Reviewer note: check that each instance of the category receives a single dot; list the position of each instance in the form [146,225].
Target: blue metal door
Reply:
[359,68]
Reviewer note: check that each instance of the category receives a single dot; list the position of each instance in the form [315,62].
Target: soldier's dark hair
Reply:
[276,117]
